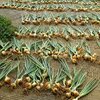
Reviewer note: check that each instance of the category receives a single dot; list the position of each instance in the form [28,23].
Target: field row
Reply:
[89,32]
[61,19]
[55,8]
[56,2]
[50,48]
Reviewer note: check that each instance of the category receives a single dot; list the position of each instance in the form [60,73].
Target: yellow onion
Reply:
[75,93]
[7,80]
[41,85]
[54,56]
[34,84]
[27,51]
[47,85]
[68,83]
[28,85]
[38,87]
[74,61]
[93,59]
[68,95]
[87,57]
[4,52]
[13,85]
[19,81]
[58,85]
[79,56]
[54,90]
[28,79]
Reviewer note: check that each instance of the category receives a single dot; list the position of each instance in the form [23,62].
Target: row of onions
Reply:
[61,19]
[38,74]
[50,48]
[50,7]
[89,33]
[55,2]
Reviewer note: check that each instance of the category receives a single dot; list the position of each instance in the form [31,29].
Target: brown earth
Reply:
[92,69]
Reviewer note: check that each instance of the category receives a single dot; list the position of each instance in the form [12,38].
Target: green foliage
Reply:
[6,29]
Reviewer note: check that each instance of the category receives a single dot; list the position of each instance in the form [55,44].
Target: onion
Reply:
[7,80]
[41,85]
[54,90]
[28,79]
[58,85]
[74,56]
[93,59]
[79,56]
[65,55]
[19,81]
[13,85]
[87,57]
[28,85]
[68,83]
[34,84]
[54,56]
[68,95]
[74,61]
[38,87]
[4,52]
[48,85]
[75,93]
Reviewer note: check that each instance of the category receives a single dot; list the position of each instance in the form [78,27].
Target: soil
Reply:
[17,94]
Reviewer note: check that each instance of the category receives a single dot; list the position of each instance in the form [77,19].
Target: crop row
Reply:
[90,33]
[56,2]
[61,19]
[55,8]
[50,48]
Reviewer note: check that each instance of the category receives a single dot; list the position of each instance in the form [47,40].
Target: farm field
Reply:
[36,44]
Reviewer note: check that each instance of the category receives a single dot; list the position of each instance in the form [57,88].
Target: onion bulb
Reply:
[19,81]
[34,84]
[74,61]
[68,95]
[7,80]
[28,79]
[75,93]
[4,52]
[47,85]
[58,85]
[38,87]
[13,85]
[54,90]
[68,83]
[28,85]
